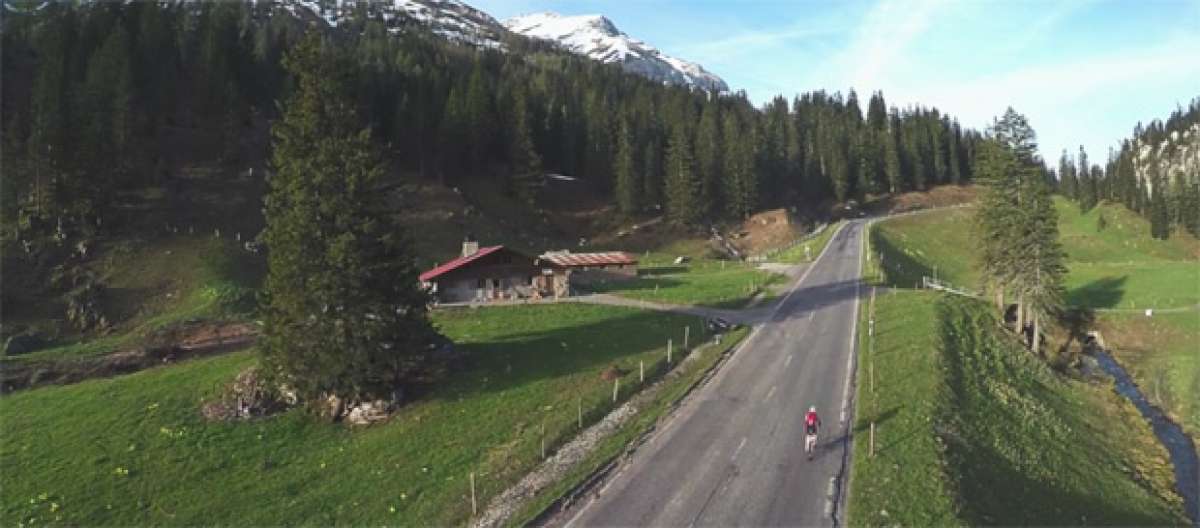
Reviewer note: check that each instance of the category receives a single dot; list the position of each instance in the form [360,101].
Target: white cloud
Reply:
[1064,99]
[754,41]
[881,42]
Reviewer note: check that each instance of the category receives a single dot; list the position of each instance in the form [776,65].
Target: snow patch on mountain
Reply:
[596,37]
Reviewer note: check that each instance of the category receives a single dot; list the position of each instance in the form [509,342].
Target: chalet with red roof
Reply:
[496,273]
[482,275]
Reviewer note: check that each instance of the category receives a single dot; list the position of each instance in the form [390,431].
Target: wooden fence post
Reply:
[872,455]
[474,505]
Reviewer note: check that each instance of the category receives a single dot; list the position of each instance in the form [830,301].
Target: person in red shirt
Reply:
[812,423]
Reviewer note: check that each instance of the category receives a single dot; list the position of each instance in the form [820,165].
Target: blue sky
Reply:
[1084,72]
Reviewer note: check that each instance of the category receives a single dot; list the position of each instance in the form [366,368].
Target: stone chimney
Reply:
[470,246]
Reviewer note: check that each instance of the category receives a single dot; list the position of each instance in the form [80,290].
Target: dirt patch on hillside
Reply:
[170,345]
[942,196]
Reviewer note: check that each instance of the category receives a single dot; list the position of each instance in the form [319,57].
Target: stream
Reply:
[1178,443]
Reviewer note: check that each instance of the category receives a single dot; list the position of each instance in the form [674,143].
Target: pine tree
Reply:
[478,120]
[741,186]
[1191,209]
[526,164]
[1066,174]
[652,171]
[452,137]
[891,158]
[1041,275]
[709,166]
[996,216]
[682,185]
[628,184]
[343,315]
[1085,186]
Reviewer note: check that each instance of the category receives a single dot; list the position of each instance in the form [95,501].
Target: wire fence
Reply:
[568,415]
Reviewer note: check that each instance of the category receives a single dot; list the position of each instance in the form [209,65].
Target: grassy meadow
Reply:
[971,430]
[134,450]
[701,281]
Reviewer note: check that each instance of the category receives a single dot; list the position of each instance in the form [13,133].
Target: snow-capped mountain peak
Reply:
[596,37]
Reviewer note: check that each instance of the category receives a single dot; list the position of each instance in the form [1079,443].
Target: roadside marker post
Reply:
[641,371]
[616,387]
[686,330]
[543,439]
[579,409]
[668,353]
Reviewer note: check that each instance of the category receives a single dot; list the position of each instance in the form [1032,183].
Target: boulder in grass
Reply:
[367,413]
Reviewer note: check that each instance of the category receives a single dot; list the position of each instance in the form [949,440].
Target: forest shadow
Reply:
[1106,292]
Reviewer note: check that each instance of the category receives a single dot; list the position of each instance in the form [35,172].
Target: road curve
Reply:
[733,454]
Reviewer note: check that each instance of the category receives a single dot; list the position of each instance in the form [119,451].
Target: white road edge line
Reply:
[849,367]
[739,449]
[853,334]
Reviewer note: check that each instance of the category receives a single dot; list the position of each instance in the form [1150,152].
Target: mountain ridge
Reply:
[597,37]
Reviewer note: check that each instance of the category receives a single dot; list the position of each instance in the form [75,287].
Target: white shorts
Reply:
[810,442]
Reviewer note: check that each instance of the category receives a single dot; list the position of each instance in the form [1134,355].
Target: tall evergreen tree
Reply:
[526,164]
[1066,174]
[628,185]
[343,315]
[741,185]
[709,166]
[682,186]
[1085,187]
[1042,269]
[480,124]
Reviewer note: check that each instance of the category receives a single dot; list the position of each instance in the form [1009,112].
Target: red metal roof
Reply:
[589,259]
[458,263]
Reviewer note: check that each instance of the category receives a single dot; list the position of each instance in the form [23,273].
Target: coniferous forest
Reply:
[1144,175]
[91,90]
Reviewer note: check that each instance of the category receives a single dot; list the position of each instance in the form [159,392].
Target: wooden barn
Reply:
[589,268]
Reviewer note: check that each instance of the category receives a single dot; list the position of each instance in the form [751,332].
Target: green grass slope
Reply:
[1119,266]
[971,430]
[149,284]
[134,450]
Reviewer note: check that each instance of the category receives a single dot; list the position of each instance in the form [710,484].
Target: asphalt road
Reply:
[733,454]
